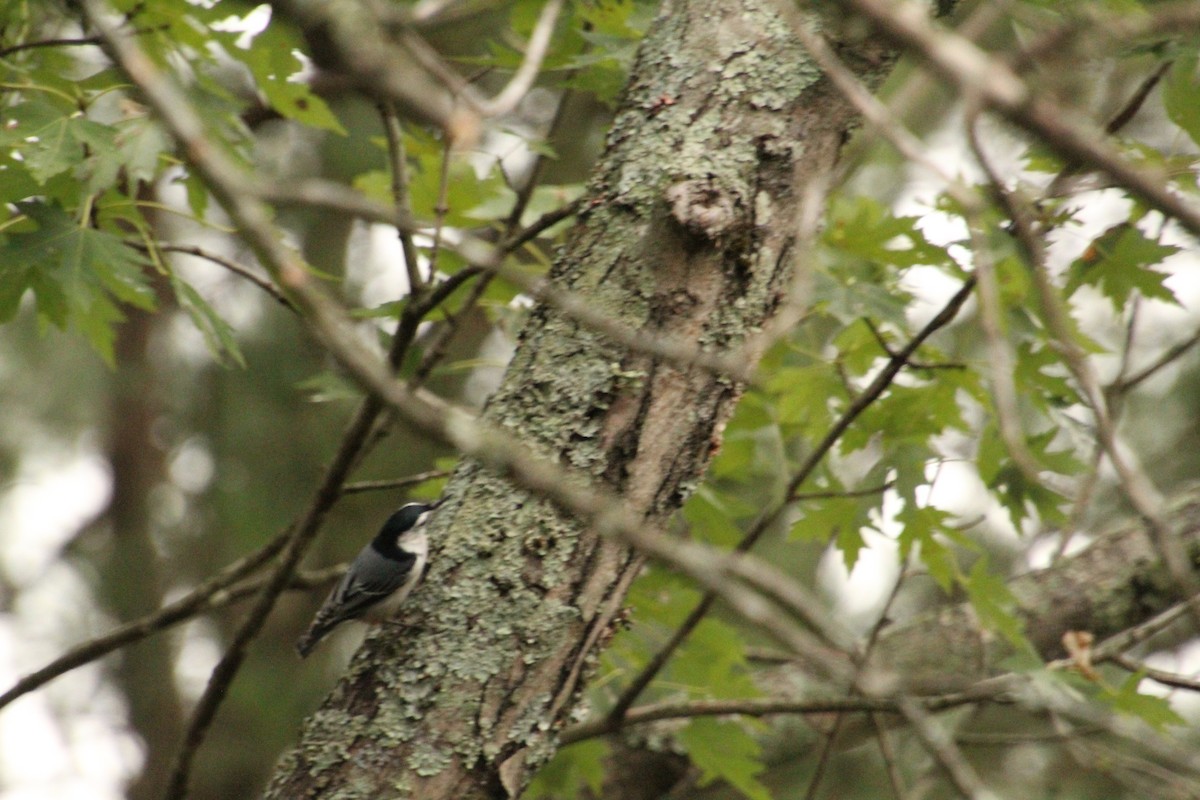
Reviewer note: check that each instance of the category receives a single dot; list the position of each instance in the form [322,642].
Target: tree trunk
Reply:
[687,233]
[130,579]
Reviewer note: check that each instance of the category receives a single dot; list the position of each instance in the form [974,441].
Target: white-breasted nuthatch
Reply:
[379,578]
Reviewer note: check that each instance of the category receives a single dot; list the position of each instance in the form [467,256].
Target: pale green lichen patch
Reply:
[327,753]
[425,759]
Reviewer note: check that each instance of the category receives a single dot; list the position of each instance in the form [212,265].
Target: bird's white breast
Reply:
[416,543]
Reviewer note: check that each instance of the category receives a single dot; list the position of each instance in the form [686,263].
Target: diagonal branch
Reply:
[860,404]
[978,76]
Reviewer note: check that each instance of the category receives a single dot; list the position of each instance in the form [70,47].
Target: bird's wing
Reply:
[370,578]
[374,577]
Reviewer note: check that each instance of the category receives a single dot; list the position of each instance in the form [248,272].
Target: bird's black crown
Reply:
[403,520]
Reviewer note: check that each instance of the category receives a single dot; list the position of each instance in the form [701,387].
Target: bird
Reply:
[379,579]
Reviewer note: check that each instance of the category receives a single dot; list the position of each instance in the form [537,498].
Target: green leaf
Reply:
[1181,95]
[850,292]
[922,524]
[469,197]
[710,518]
[272,60]
[140,141]
[724,751]
[736,458]
[75,273]
[572,769]
[908,414]
[218,335]
[1118,263]
[15,183]
[662,597]
[53,140]
[804,394]
[1154,710]
[1042,377]
[1039,158]
[841,519]
[866,228]
[858,349]
[606,45]
[711,663]
[995,604]
[1021,497]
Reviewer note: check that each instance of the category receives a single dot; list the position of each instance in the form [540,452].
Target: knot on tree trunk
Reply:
[703,208]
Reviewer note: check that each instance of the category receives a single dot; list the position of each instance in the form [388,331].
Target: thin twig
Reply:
[1131,637]
[71,41]
[861,658]
[640,681]
[1172,354]
[367,57]
[979,76]
[238,269]
[398,162]
[1162,676]
[78,41]
[1083,500]
[194,602]
[890,761]
[1118,121]
[875,113]
[1001,363]
[531,63]
[870,490]
[655,712]
[519,238]
[394,483]
[945,751]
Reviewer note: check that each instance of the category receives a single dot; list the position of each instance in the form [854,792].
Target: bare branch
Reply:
[237,269]
[398,162]
[79,41]
[531,63]
[860,404]
[942,747]
[350,40]
[978,76]
[1001,364]
[890,760]
[1162,676]
[395,483]
[197,601]
[1168,357]
[1131,637]
[655,712]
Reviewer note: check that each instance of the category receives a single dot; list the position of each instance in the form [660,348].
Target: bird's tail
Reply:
[315,633]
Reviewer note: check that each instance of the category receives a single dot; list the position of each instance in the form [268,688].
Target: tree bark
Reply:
[1118,582]
[687,232]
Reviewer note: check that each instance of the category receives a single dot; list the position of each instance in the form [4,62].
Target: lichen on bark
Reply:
[462,699]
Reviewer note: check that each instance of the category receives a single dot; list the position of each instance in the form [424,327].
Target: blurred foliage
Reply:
[92,191]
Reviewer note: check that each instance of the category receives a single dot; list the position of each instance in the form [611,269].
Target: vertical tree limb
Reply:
[684,235]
